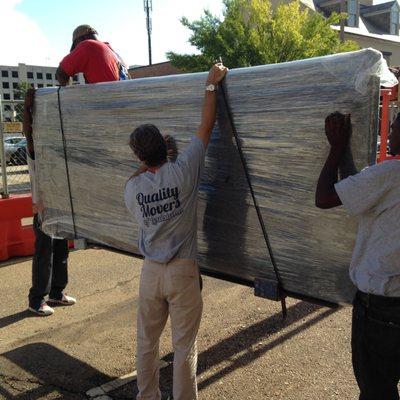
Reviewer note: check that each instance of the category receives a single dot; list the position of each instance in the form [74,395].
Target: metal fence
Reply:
[14,175]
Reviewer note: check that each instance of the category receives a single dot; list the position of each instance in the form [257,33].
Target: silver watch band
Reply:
[211,88]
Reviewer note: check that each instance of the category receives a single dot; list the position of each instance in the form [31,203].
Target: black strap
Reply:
[223,90]
[66,160]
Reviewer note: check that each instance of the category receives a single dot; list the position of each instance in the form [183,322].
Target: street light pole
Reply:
[4,193]
[342,20]
[148,8]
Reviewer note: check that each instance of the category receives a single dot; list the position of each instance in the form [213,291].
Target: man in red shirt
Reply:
[95,59]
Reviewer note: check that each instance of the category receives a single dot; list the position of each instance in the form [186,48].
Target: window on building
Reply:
[49,85]
[39,75]
[40,85]
[49,76]
[394,21]
[6,96]
[352,13]
[15,85]
[30,75]
[75,78]
[4,74]
[6,85]
[7,107]
[14,74]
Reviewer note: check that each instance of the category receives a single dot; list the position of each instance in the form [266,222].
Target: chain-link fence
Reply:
[14,175]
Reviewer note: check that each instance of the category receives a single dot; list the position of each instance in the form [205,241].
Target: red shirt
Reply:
[95,59]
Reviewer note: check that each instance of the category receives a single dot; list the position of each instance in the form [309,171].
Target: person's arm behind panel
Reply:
[62,76]
[28,119]
[338,132]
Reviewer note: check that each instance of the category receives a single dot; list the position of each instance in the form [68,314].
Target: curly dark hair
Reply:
[149,145]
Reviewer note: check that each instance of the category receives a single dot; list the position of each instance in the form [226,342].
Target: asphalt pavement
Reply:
[246,350]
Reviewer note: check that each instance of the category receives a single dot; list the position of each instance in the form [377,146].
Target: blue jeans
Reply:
[376,346]
[49,266]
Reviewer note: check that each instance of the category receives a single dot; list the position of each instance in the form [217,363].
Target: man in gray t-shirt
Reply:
[165,203]
[162,196]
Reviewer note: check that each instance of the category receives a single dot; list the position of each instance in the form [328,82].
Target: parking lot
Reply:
[17,175]
[246,350]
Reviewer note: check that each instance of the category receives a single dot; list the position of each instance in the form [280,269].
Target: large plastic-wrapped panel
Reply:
[279,112]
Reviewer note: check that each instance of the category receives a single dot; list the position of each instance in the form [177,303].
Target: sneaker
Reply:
[65,300]
[44,310]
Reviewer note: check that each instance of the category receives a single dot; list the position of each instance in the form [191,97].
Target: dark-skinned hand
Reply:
[338,129]
[172,148]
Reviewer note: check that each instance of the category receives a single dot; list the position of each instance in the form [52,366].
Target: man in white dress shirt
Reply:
[373,196]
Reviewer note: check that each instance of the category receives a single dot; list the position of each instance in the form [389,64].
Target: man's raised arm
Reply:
[338,132]
[28,119]
[216,74]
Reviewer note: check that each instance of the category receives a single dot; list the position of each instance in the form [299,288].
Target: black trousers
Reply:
[49,266]
[376,346]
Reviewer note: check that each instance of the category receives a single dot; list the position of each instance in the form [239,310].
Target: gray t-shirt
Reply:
[165,206]
[373,195]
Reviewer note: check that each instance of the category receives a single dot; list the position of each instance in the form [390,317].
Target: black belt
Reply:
[370,299]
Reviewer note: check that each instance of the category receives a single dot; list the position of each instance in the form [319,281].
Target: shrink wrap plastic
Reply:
[279,112]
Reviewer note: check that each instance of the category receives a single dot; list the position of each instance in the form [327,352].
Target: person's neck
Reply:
[153,170]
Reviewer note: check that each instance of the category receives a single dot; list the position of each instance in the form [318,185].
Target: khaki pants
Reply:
[172,288]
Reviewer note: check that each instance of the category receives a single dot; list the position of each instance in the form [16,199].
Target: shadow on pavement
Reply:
[12,319]
[244,339]
[230,347]
[14,260]
[53,371]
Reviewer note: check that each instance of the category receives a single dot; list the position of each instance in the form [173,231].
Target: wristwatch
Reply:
[210,88]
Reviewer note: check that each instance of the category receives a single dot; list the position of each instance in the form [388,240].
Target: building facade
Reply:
[11,77]
[160,69]
[368,24]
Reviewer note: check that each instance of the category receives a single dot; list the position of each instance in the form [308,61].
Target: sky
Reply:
[39,32]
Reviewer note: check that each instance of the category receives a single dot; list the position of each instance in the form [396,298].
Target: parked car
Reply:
[15,150]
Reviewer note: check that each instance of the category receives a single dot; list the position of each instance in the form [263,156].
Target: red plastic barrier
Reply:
[16,240]
[388,96]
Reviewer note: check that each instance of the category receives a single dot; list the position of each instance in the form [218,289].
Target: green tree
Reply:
[18,107]
[251,33]
[20,91]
